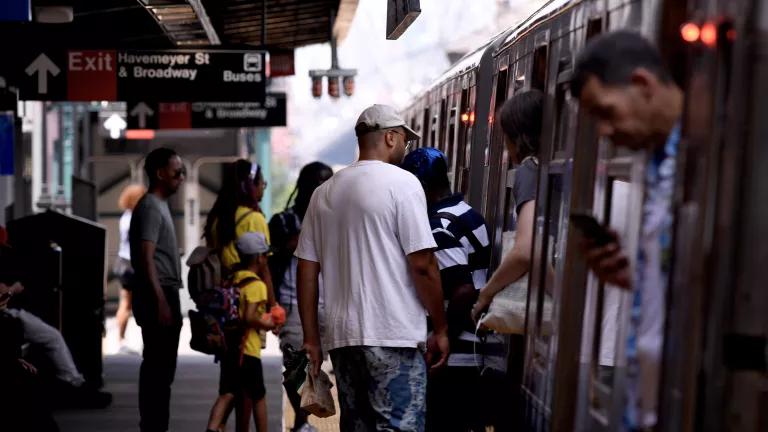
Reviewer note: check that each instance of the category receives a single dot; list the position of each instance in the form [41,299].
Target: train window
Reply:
[609,311]
[425,129]
[442,144]
[461,145]
[539,76]
[451,146]
[433,132]
[594,27]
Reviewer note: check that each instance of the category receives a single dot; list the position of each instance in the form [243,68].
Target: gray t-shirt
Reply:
[526,180]
[151,221]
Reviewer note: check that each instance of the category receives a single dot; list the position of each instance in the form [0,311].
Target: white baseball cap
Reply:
[252,243]
[377,117]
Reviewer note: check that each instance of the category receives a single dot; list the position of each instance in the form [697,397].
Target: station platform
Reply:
[193,392]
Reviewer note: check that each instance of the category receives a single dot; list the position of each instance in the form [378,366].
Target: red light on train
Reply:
[465,118]
[709,34]
[690,32]
[317,87]
[731,35]
[472,118]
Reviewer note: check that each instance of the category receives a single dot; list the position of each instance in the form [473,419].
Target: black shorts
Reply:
[229,364]
[252,378]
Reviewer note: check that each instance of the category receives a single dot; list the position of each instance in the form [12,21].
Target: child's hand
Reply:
[266,321]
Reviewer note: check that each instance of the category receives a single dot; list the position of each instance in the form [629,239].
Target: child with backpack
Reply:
[252,248]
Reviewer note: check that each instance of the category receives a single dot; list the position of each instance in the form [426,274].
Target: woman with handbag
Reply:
[521,120]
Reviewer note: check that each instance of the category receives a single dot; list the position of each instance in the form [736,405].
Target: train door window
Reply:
[425,129]
[462,143]
[451,147]
[565,108]
[613,198]
[539,73]
[594,27]
[442,143]
[433,132]
[494,159]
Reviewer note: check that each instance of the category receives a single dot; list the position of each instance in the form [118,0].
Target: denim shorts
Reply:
[381,389]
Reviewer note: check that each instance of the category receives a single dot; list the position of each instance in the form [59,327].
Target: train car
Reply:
[715,338]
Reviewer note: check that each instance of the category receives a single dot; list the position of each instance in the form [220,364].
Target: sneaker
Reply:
[126,350]
[306,427]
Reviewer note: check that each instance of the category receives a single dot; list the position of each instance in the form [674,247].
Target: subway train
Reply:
[713,373]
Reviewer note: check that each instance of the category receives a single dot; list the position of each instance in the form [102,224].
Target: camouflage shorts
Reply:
[381,389]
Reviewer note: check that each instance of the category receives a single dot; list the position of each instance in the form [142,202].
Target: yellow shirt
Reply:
[253,292]
[254,222]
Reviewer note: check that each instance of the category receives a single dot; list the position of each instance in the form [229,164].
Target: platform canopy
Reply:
[183,23]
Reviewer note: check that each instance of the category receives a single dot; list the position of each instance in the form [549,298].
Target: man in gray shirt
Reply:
[155,259]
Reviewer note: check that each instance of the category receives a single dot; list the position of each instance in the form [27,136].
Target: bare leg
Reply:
[244,416]
[220,411]
[260,414]
[123,312]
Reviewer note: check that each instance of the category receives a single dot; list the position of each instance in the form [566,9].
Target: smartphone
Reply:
[591,228]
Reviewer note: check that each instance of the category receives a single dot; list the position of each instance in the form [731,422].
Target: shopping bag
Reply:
[316,395]
[507,311]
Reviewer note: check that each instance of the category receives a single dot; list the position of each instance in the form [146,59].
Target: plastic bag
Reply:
[316,395]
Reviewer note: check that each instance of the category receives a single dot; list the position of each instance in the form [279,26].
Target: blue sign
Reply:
[15,10]
[7,138]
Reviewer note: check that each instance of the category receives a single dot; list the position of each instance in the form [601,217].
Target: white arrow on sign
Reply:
[142,110]
[42,66]
[115,124]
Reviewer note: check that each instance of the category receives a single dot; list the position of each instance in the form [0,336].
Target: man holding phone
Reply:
[622,82]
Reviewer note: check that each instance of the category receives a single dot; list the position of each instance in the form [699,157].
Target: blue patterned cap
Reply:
[421,162]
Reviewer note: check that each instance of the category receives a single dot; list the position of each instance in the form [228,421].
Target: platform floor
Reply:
[194,390]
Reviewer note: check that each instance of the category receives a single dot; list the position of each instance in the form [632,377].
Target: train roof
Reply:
[468,61]
[545,11]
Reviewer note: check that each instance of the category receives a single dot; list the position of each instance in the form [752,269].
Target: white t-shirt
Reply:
[360,226]
[125,225]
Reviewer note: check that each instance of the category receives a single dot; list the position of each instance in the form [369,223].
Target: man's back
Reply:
[360,226]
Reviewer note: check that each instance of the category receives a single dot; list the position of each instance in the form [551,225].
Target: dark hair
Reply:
[233,193]
[309,180]
[612,57]
[155,160]
[521,118]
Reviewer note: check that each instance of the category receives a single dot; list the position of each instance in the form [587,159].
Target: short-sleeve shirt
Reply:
[360,226]
[459,260]
[253,292]
[151,221]
[525,185]
[249,222]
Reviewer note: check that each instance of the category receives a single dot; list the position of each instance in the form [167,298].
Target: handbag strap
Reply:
[467,232]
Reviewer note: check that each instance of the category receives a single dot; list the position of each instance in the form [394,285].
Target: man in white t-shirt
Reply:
[367,229]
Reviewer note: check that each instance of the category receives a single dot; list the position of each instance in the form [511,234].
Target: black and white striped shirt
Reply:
[463,255]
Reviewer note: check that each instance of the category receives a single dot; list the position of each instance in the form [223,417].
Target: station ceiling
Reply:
[187,23]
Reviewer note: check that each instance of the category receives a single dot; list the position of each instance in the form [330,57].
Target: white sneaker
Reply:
[306,428]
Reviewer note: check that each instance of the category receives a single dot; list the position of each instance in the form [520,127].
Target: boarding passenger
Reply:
[622,82]
[252,248]
[456,398]
[156,261]
[367,229]
[235,212]
[122,267]
[284,228]
[521,120]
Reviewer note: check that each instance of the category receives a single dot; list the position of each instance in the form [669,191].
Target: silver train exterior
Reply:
[715,352]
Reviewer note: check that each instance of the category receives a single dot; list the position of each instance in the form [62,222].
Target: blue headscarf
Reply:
[421,162]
